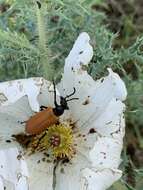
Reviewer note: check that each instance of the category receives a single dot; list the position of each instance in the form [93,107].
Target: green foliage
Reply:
[35,42]
[64,20]
[17,56]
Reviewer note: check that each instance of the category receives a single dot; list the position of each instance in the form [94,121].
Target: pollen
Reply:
[57,139]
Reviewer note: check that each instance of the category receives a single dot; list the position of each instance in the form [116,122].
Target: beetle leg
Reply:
[42,108]
[36,146]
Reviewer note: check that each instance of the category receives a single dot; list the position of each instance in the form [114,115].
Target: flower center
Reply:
[57,139]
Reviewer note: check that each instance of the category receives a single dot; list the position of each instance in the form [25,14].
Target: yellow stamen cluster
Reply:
[57,139]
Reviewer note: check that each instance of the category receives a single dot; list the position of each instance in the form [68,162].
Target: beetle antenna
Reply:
[72,99]
[55,101]
[74,90]
[39,4]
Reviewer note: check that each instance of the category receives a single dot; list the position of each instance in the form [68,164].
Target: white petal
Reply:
[111,122]
[120,90]
[84,142]
[25,172]
[22,184]
[40,172]
[68,175]
[13,90]
[105,144]
[46,96]
[80,55]
[94,96]
[38,90]
[6,184]
[20,109]
[1,184]
[12,168]
[11,117]
[99,179]
[9,126]
[106,153]
[81,52]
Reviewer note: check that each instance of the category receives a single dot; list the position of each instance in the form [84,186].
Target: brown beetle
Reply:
[48,115]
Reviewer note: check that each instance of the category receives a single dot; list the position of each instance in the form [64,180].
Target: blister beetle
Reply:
[48,115]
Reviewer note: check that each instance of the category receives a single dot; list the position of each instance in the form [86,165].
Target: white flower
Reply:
[97,136]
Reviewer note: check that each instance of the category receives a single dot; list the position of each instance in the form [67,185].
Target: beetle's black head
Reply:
[59,109]
[63,103]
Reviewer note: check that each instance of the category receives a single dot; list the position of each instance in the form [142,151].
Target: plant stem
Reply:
[44,52]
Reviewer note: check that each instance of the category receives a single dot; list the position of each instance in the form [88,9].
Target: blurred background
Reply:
[36,37]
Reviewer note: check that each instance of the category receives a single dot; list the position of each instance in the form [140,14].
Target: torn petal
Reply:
[80,55]
[81,52]
[38,90]
[99,179]
[94,96]
[14,90]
